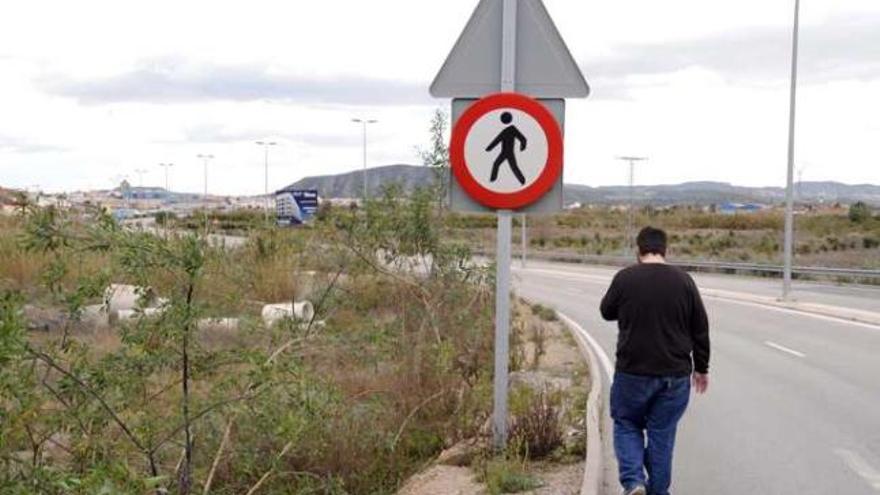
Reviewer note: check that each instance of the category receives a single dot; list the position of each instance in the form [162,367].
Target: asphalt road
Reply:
[794,400]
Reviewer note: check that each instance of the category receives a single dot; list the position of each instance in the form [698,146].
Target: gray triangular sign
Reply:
[544,65]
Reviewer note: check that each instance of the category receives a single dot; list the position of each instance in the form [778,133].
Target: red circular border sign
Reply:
[538,188]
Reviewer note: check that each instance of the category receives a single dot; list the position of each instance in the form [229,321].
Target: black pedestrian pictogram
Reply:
[507,139]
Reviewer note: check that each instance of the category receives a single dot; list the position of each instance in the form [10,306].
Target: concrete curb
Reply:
[593,467]
[847,314]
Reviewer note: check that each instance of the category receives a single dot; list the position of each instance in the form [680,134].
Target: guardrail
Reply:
[714,266]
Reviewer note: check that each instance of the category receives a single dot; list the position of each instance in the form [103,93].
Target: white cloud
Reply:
[169,81]
[701,87]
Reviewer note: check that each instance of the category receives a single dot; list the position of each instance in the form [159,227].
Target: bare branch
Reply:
[106,407]
[204,412]
[271,470]
[218,456]
[323,299]
[413,413]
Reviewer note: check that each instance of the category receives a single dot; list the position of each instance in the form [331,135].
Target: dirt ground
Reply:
[453,480]
[447,480]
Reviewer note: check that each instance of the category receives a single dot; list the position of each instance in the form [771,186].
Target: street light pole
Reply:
[365,123]
[140,173]
[800,183]
[789,190]
[166,166]
[205,159]
[266,145]
[628,244]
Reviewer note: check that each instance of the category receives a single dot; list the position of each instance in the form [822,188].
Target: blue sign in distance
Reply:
[295,207]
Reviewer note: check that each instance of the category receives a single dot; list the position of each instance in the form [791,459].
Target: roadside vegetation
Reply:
[834,236]
[195,391]
[546,438]
[394,367]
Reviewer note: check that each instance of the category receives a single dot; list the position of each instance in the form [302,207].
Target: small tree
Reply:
[22,202]
[859,212]
[164,218]
[437,155]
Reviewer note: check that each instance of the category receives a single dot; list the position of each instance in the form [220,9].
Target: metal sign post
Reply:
[525,251]
[511,45]
[502,260]
[502,329]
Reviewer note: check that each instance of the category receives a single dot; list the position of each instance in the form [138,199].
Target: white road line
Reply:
[785,349]
[860,466]
[570,275]
[796,312]
[604,360]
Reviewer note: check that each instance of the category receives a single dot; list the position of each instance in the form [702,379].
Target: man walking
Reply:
[662,347]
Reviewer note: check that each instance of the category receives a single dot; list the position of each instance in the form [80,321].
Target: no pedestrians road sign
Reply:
[509,46]
[506,151]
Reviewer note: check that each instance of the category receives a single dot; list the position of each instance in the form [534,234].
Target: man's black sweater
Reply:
[662,321]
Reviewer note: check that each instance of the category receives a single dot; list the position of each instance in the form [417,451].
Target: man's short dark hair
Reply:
[651,241]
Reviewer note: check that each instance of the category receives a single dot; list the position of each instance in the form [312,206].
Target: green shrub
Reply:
[859,212]
[537,427]
[507,476]
[544,313]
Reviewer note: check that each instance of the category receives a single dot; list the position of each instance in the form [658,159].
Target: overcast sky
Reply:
[94,90]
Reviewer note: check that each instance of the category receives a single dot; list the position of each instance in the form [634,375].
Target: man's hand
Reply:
[701,382]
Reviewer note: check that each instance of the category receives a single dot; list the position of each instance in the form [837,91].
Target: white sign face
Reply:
[506,150]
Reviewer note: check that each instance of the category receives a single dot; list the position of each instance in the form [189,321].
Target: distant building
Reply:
[733,208]
[148,193]
[295,207]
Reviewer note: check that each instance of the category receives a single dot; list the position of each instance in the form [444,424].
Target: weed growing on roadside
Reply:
[537,423]
[506,474]
[544,313]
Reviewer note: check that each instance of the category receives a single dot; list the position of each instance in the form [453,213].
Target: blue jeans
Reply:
[655,405]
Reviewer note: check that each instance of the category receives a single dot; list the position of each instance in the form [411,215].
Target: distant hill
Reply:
[350,185]
[719,192]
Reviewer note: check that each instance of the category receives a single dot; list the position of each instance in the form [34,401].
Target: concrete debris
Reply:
[121,297]
[126,315]
[95,316]
[216,324]
[273,313]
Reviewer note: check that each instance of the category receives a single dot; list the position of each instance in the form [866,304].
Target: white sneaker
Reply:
[638,490]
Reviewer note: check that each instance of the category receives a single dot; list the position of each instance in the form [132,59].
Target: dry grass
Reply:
[23,270]
[823,238]
[18,270]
